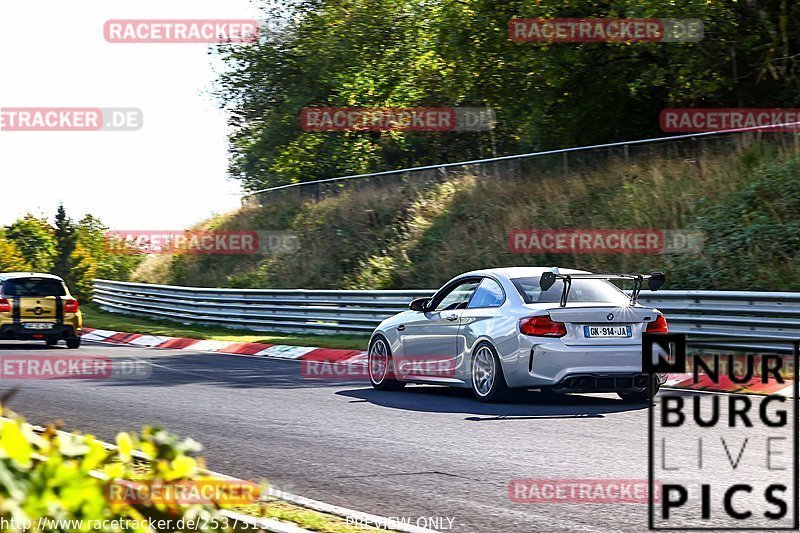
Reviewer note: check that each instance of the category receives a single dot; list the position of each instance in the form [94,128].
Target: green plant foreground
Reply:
[56,481]
[52,481]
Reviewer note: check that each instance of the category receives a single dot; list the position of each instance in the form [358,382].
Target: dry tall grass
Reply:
[412,237]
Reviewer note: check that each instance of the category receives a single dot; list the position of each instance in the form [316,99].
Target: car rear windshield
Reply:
[582,290]
[33,287]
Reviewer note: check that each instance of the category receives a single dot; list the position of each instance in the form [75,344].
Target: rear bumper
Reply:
[17,331]
[602,383]
[551,364]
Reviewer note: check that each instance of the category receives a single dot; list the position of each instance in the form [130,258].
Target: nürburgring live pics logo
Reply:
[723,461]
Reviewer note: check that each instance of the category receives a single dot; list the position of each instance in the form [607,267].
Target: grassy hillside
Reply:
[747,201]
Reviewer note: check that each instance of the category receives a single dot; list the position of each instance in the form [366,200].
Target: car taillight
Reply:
[659,325]
[5,306]
[70,306]
[542,326]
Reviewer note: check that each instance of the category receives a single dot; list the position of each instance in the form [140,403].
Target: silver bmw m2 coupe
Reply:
[500,329]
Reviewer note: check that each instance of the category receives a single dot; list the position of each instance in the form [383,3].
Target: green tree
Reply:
[11,258]
[66,241]
[35,239]
[393,53]
[111,262]
[75,251]
[83,269]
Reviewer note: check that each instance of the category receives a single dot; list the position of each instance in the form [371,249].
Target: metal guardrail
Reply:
[290,310]
[745,315]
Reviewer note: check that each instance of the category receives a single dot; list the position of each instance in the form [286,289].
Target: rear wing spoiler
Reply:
[655,281]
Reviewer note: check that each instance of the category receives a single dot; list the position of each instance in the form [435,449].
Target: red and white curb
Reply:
[704,383]
[338,357]
[254,349]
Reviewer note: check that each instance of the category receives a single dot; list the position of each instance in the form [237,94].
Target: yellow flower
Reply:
[125,445]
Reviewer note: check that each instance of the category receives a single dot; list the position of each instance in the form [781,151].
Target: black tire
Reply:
[380,366]
[486,375]
[644,396]
[73,342]
[51,341]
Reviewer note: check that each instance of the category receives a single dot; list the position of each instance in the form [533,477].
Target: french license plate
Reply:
[620,332]
[38,325]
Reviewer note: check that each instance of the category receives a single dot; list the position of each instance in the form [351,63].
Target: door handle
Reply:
[452,317]
[401,327]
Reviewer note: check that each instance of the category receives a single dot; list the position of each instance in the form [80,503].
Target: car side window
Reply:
[488,294]
[458,296]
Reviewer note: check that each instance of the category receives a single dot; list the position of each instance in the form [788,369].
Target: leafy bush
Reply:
[34,237]
[755,234]
[59,476]
[11,258]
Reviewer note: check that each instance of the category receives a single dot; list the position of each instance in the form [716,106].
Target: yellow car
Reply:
[38,306]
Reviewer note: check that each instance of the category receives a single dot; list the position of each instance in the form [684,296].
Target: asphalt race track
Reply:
[422,452]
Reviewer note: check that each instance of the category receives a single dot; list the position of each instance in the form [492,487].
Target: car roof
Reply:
[520,272]
[16,275]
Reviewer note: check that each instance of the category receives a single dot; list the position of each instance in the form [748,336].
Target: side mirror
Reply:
[420,304]
[656,281]
[547,280]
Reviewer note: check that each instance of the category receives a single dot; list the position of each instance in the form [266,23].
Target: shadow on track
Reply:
[169,369]
[525,405]
[226,371]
